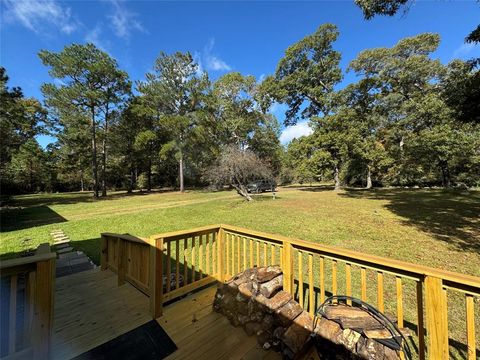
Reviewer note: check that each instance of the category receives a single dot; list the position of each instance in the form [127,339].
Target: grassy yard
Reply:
[430,227]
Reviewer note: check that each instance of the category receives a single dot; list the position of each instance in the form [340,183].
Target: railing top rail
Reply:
[179,233]
[128,237]
[41,254]
[414,270]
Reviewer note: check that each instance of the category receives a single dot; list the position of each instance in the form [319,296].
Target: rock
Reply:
[268,288]
[329,330]
[265,274]
[252,328]
[298,333]
[274,303]
[267,322]
[349,339]
[245,290]
[288,312]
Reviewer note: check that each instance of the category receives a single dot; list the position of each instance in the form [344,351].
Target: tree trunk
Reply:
[94,155]
[180,172]
[369,178]
[149,175]
[446,181]
[242,191]
[104,155]
[336,177]
[82,189]
[130,181]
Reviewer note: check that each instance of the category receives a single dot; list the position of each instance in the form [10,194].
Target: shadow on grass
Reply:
[312,188]
[24,218]
[450,216]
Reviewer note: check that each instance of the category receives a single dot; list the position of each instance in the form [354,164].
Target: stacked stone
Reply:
[255,300]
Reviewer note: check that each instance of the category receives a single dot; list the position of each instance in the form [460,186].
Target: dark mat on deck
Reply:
[146,342]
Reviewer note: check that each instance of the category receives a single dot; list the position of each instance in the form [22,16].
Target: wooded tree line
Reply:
[407,120]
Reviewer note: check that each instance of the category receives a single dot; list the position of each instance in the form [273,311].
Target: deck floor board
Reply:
[90,309]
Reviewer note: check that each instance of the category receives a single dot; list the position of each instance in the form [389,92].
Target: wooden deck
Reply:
[91,309]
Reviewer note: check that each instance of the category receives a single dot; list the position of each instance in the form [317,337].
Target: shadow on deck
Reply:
[90,309]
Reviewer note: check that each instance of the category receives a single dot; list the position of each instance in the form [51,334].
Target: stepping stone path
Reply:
[69,261]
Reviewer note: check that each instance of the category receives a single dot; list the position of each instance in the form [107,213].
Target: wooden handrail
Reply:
[229,255]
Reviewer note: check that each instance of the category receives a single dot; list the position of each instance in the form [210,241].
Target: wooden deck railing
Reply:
[311,273]
[28,286]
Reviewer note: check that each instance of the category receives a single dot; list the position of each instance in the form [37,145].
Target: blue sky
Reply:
[249,37]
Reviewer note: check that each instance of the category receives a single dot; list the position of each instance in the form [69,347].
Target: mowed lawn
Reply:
[430,227]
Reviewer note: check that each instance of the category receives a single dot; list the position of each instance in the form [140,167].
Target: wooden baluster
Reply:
[281,257]
[420,322]
[250,248]
[445,320]
[265,254]
[257,245]
[380,304]
[288,267]
[200,257]
[29,310]
[207,254]
[311,305]
[470,308]
[348,281]
[239,254]
[334,277]
[194,275]
[220,256]
[228,255]
[272,253]
[244,253]
[233,254]
[214,255]
[300,279]
[322,279]
[185,261]
[363,275]
[12,320]
[177,264]
[169,266]
[121,261]
[399,302]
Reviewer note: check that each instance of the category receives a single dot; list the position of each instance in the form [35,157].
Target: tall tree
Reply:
[89,85]
[306,76]
[174,93]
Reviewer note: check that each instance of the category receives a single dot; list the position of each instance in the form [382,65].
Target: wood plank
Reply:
[322,279]
[311,305]
[300,279]
[12,318]
[436,310]
[363,284]
[334,277]
[177,264]
[169,267]
[348,281]
[380,302]
[470,310]
[399,301]
[420,322]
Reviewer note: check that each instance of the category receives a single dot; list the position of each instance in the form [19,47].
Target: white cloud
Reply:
[35,15]
[94,37]
[295,131]
[124,22]
[211,61]
[464,50]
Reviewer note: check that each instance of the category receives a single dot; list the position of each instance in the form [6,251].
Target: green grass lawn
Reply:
[429,227]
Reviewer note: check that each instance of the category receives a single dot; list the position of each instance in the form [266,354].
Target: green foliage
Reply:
[306,76]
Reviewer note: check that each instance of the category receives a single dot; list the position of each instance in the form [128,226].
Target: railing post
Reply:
[436,324]
[220,264]
[156,277]
[122,261]
[287,267]
[104,253]
[43,309]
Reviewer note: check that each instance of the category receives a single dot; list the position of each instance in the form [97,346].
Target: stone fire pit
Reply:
[255,300]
